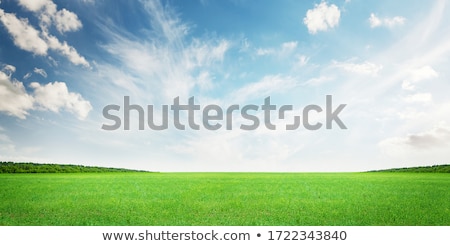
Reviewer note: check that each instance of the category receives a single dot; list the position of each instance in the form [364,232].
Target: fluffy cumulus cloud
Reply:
[55,96]
[33,5]
[16,101]
[39,41]
[375,21]
[65,50]
[24,35]
[66,21]
[322,17]
[63,20]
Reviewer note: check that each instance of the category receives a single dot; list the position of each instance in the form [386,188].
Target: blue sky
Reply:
[62,62]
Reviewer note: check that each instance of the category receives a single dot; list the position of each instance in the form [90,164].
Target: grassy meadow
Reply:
[225,199]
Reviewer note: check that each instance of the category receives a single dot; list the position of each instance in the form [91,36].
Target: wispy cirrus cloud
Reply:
[286,48]
[167,62]
[395,21]
[267,86]
[366,67]
[40,71]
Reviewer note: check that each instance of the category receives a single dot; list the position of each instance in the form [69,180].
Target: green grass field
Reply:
[225,199]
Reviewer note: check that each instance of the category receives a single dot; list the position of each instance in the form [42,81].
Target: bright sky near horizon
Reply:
[62,62]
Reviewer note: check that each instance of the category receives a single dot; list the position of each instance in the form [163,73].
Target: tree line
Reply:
[13,167]
[445,168]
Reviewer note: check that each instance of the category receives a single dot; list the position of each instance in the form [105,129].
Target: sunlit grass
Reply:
[225,199]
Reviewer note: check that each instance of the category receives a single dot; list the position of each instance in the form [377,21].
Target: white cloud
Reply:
[318,81]
[267,86]
[88,1]
[245,45]
[288,47]
[218,51]
[204,80]
[263,52]
[23,34]
[63,20]
[52,61]
[34,5]
[285,48]
[14,100]
[393,22]
[419,98]
[360,68]
[411,114]
[374,21]
[40,71]
[437,137]
[302,60]
[167,62]
[55,96]
[387,22]
[205,54]
[9,69]
[407,85]
[417,75]
[27,75]
[65,50]
[423,73]
[264,150]
[169,69]
[322,17]
[30,39]
[165,22]
[66,21]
